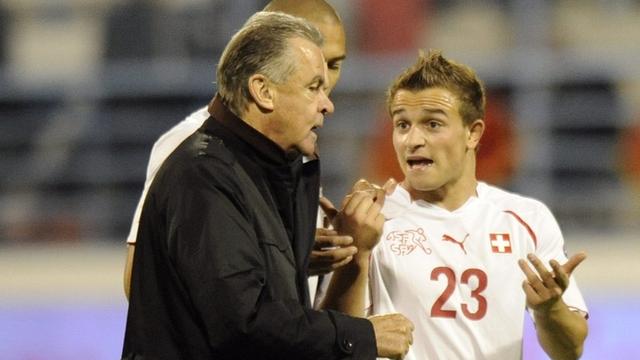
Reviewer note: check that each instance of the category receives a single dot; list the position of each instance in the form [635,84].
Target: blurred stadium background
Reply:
[86,86]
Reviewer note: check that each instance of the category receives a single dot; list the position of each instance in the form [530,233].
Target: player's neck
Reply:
[451,196]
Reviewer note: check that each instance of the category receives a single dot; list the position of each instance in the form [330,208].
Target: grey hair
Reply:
[260,47]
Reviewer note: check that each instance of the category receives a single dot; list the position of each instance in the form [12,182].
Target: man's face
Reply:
[301,101]
[429,138]
[334,50]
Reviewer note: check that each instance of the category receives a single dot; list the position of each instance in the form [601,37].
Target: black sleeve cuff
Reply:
[355,338]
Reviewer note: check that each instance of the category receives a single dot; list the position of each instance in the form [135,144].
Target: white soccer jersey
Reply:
[455,275]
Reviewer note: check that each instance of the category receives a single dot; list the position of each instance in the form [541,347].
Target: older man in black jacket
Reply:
[227,226]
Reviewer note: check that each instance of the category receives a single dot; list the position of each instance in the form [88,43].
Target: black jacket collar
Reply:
[266,150]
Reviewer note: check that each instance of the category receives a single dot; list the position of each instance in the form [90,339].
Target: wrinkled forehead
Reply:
[307,56]
[429,99]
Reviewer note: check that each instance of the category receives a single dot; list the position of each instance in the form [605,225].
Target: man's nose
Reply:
[415,137]
[326,105]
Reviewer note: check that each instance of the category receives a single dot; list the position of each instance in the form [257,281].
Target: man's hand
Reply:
[393,335]
[544,289]
[561,331]
[361,219]
[378,193]
[330,251]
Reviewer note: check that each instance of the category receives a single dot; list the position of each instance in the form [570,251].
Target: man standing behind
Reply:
[451,255]
[225,231]
[331,251]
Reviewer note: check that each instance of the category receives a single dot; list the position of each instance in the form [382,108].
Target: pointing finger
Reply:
[328,208]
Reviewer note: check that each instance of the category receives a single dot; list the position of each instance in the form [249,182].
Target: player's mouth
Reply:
[418,162]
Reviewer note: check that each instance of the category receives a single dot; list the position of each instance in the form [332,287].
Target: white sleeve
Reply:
[161,150]
[133,232]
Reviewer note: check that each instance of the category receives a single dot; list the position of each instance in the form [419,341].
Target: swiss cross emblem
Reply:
[500,243]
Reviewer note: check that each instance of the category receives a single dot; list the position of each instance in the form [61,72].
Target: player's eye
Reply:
[401,124]
[334,65]
[433,124]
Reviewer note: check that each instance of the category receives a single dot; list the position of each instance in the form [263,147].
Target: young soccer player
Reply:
[452,253]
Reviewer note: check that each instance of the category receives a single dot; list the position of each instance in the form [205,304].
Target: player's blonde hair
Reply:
[434,70]
[260,47]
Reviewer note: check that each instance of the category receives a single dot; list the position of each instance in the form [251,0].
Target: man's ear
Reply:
[261,90]
[475,131]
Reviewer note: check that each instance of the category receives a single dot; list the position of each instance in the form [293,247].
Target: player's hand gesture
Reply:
[333,249]
[360,218]
[544,288]
[378,193]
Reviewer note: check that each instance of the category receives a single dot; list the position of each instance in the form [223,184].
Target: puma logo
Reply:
[446,237]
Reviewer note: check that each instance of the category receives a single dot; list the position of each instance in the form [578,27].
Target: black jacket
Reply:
[219,270]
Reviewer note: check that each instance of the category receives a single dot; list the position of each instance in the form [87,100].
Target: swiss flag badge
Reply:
[500,243]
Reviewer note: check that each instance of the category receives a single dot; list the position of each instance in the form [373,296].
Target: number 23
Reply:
[438,311]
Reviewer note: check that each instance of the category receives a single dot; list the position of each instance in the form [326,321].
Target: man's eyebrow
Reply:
[336,59]
[319,79]
[428,111]
[434,111]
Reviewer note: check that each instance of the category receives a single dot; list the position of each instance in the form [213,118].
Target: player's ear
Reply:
[262,91]
[474,133]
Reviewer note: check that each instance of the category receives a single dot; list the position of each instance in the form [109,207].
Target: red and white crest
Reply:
[404,242]
[500,243]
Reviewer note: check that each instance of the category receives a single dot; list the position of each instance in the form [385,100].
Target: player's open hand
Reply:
[544,288]
[394,335]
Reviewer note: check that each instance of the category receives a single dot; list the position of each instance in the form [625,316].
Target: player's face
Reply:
[430,139]
[334,51]
[301,101]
